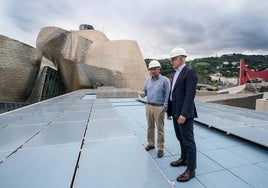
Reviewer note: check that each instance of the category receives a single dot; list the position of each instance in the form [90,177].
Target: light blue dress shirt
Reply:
[178,71]
[157,91]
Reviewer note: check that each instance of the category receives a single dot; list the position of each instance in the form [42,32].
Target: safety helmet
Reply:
[153,64]
[175,52]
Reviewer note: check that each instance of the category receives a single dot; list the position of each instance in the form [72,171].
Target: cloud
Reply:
[31,15]
[203,28]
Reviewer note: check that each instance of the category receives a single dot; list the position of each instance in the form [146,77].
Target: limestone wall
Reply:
[262,105]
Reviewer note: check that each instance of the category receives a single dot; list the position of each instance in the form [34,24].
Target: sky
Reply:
[204,28]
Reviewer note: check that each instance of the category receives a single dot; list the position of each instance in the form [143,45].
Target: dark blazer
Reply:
[183,95]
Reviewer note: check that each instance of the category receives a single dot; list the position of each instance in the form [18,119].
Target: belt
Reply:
[153,104]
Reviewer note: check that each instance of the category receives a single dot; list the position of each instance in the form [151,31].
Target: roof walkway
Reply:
[76,140]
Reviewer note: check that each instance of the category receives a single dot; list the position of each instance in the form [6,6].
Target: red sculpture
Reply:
[247,74]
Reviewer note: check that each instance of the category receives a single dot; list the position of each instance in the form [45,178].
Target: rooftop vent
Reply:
[86,27]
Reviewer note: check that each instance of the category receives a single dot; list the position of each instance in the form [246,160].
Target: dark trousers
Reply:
[185,135]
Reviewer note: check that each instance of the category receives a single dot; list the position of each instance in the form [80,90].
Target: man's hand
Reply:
[141,93]
[181,119]
[169,117]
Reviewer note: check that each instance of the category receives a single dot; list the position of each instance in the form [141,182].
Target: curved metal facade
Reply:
[87,57]
[83,58]
[19,66]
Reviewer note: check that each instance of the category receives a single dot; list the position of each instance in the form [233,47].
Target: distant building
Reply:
[235,63]
[223,80]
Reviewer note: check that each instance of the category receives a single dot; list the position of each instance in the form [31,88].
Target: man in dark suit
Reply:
[182,109]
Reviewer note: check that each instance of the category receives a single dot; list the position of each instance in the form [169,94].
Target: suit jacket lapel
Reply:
[179,77]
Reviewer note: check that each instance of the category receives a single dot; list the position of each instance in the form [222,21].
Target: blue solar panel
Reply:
[112,164]
[103,129]
[88,96]
[40,167]
[57,134]
[37,118]
[9,118]
[244,123]
[101,114]
[222,179]
[12,138]
[72,117]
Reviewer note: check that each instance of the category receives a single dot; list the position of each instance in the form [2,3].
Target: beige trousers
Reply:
[155,117]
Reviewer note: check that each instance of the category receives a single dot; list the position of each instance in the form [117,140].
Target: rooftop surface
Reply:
[76,140]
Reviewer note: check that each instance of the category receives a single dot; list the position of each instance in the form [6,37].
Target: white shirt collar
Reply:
[181,67]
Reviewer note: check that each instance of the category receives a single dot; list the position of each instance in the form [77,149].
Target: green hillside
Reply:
[209,65]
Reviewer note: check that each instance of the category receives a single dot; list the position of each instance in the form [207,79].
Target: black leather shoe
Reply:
[160,153]
[179,162]
[186,176]
[148,147]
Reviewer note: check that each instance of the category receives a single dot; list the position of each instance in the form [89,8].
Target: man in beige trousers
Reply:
[156,88]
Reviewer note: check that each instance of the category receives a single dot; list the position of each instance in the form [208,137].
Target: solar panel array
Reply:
[76,140]
[71,141]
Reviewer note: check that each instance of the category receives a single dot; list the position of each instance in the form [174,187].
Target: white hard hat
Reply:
[177,52]
[153,64]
